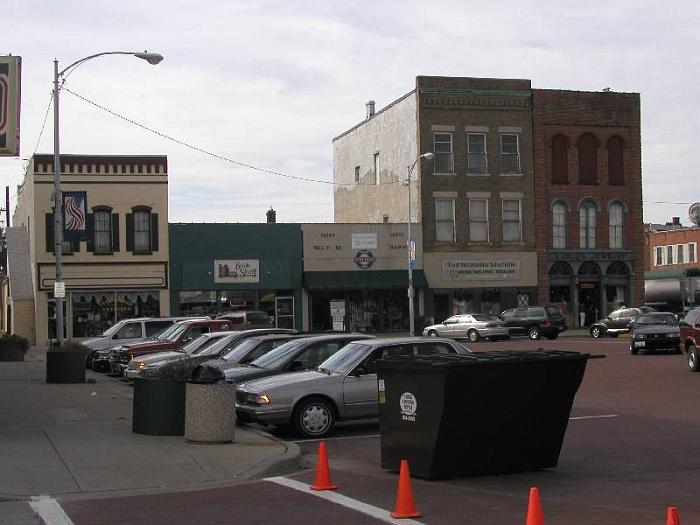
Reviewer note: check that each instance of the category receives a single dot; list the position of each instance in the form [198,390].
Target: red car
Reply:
[176,337]
[690,338]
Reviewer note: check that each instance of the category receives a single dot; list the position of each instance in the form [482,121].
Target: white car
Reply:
[469,326]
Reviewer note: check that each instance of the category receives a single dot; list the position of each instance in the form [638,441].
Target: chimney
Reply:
[370,109]
[676,221]
[271,216]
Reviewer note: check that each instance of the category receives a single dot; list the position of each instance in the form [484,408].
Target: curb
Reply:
[290,461]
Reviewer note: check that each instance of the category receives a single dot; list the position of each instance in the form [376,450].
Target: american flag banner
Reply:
[74,215]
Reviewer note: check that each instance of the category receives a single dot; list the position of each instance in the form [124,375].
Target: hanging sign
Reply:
[74,215]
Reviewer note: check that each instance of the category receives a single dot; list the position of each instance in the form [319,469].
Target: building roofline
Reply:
[375,115]
[628,93]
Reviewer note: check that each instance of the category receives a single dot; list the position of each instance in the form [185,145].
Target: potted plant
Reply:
[66,363]
[159,400]
[13,347]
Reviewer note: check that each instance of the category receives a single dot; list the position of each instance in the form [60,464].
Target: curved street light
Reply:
[151,58]
[410,246]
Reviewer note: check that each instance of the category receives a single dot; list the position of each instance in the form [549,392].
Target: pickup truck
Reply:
[182,333]
[689,329]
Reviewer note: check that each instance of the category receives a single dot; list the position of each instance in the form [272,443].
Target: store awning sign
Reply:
[480,270]
[364,241]
[237,271]
[10,75]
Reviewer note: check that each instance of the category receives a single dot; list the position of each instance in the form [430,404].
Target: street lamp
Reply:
[151,58]
[409,245]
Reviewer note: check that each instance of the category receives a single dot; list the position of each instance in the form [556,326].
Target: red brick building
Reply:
[588,201]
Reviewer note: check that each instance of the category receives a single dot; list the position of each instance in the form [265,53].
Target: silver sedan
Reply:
[469,326]
[343,387]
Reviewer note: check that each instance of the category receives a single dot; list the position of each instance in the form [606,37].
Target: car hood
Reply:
[434,327]
[152,345]
[655,329]
[96,343]
[240,374]
[286,379]
[162,357]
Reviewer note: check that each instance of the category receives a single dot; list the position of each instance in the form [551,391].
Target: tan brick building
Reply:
[119,271]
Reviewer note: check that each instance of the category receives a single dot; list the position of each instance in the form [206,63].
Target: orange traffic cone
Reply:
[323,473]
[672,516]
[405,506]
[534,509]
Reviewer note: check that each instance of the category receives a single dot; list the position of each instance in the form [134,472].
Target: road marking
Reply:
[335,438]
[50,511]
[603,416]
[339,499]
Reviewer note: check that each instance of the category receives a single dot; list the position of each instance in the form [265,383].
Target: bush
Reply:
[13,347]
[72,346]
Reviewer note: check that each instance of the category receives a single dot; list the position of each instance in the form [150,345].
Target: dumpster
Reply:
[481,413]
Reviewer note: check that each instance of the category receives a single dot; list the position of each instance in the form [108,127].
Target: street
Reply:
[628,454]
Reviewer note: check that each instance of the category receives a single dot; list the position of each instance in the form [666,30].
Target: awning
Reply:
[660,291]
[360,280]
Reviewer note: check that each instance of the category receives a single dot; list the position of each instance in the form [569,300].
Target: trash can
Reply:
[210,409]
[481,413]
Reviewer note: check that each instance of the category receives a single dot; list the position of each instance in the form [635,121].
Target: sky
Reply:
[270,83]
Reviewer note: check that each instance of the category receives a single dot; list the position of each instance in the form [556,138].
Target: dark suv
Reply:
[690,338]
[535,321]
[617,322]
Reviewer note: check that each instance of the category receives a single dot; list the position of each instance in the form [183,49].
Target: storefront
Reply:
[356,277]
[219,268]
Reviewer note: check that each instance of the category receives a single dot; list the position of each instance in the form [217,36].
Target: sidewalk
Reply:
[77,440]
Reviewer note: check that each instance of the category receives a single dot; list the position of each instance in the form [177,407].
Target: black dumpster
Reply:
[481,413]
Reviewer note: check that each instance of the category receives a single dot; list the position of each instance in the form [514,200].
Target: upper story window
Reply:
[142,230]
[68,247]
[616,221]
[445,220]
[442,148]
[588,159]
[376,168]
[512,220]
[691,252]
[510,153]
[616,174]
[476,153]
[478,220]
[560,159]
[357,174]
[680,256]
[669,254]
[102,230]
[587,224]
[659,253]
[559,225]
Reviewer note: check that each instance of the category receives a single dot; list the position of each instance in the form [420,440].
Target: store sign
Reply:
[480,270]
[10,76]
[237,271]
[364,259]
[364,241]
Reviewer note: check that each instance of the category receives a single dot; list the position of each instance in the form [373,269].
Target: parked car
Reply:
[617,322]
[470,326]
[194,351]
[690,338]
[344,386]
[247,319]
[181,334]
[535,321]
[654,331]
[128,331]
[305,353]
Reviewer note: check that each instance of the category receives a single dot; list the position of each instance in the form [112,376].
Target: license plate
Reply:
[639,344]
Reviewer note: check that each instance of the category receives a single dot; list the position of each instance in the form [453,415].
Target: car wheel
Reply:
[432,333]
[596,332]
[313,417]
[533,333]
[693,359]
[473,336]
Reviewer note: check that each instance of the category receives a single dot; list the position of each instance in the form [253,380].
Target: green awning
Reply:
[362,279]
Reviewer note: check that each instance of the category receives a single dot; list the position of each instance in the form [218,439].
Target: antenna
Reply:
[694,213]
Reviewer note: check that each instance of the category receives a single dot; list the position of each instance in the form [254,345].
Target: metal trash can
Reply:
[210,409]
[481,413]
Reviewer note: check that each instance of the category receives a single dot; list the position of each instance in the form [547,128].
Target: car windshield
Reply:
[218,344]
[194,345]
[484,317]
[277,357]
[669,319]
[112,329]
[163,334]
[175,333]
[345,359]
[241,348]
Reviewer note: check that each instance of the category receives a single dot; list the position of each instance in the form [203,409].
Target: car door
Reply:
[360,392]
[519,322]
[624,318]
[448,327]
[462,326]
[131,332]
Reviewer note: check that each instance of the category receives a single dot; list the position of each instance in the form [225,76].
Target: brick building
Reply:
[588,201]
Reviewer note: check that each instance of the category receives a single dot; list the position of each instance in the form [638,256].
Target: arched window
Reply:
[559,225]
[588,159]
[616,174]
[587,224]
[560,159]
[616,215]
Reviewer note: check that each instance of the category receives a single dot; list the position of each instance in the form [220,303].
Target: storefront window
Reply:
[232,300]
[198,303]
[95,312]
[365,311]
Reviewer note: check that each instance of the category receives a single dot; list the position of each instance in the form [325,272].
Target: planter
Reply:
[11,353]
[210,412]
[159,406]
[63,366]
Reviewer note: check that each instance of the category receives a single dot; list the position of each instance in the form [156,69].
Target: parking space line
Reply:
[602,416]
[339,499]
[50,512]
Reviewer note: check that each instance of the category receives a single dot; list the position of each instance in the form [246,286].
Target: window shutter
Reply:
[154,232]
[115,232]
[129,232]
[49,232]
[90,231]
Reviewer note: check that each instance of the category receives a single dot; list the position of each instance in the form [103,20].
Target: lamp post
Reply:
[410,247]
[151,58]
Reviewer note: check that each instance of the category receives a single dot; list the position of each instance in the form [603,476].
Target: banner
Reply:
[75,215]
[10,75]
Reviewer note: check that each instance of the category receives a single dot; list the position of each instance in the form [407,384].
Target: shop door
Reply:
[284,312]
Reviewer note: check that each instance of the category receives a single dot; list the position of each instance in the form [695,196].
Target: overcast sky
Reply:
[270,83]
